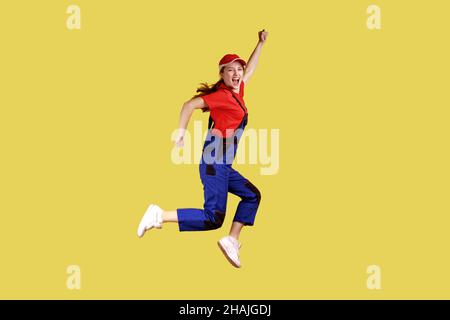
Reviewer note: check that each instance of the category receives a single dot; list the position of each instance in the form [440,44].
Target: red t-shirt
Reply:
[225,110]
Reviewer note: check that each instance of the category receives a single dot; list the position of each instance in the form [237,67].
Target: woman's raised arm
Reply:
[254,58]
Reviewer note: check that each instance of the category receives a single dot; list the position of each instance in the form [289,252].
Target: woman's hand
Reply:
[179,140]
[263,35]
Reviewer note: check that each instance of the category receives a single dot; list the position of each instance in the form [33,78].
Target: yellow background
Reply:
[85,124]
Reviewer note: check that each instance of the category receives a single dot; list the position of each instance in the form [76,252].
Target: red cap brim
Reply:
[242,61]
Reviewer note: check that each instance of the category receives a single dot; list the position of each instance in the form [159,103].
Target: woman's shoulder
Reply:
[215,99]
[220,93]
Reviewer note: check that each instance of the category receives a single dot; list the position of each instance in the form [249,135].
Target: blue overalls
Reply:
[219,178]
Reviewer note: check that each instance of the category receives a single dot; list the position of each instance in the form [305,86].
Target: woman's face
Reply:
[232,75]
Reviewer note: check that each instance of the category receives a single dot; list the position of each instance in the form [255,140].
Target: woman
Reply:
[224,100]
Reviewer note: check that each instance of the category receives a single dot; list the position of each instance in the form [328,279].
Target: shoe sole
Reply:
[226,255]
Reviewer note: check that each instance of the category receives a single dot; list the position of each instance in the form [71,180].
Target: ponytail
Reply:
[205,89]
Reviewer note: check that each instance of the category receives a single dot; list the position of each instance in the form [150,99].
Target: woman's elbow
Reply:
[196,103]
[188,106]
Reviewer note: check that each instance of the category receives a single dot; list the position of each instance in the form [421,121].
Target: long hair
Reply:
[206,88]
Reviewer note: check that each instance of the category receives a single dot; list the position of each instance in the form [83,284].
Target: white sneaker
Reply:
[230,248]
[151,219]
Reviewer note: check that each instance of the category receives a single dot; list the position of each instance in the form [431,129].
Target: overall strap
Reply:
[239,102]
[245,118]
[210,122]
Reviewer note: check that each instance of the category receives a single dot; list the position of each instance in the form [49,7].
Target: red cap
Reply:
[230,58]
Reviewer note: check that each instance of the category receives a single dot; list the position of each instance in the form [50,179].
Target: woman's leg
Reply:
[248,206]
[211,216]
[235,230]
[245,214]
[170,216]
[215,190]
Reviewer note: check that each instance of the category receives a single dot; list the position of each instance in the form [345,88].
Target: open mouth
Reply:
[236,81]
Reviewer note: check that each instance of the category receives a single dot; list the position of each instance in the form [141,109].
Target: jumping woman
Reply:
[228,118]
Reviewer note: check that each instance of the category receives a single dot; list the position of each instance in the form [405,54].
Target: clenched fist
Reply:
[263,35]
